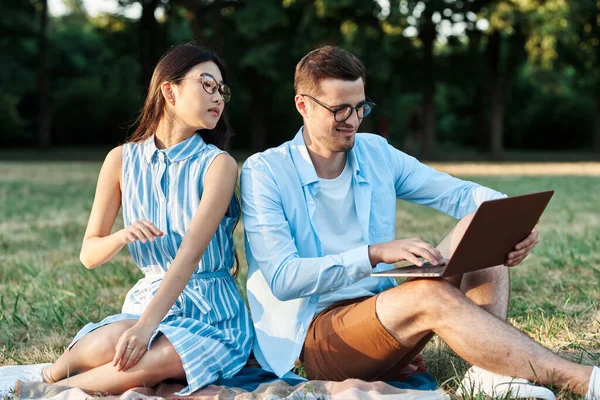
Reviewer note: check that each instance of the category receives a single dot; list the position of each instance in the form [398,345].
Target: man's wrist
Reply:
[374,257]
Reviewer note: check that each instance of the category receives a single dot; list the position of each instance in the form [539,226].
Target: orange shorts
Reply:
[347,340]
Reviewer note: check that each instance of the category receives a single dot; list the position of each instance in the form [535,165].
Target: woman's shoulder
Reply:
[115,156]
[113,162]
[212,153]
[211,150]
[221,162]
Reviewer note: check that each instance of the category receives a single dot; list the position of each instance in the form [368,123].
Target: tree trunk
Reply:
[428,34]
[496,86]
[148,40]
[597,118]
[44,133]
[168,25]
[481,125]
[193,13]
[497,123]
[478,106]
[429,127]
[259,129]
[258,115]
[217,27]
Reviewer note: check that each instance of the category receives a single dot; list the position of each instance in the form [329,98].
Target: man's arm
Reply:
[271,244]
[421,184]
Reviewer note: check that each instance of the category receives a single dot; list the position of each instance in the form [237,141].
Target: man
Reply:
[319,214]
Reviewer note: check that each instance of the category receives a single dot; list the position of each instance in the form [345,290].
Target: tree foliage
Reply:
[445,74]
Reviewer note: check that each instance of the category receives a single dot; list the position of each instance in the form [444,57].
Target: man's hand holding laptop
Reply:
[523,249]
[418,252]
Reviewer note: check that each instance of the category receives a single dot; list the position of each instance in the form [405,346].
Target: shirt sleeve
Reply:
[270,243]
[421,184]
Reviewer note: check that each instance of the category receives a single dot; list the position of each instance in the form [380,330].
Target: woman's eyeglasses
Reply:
[210,86]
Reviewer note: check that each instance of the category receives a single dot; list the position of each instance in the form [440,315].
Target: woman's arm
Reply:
[219,184]
[99,245]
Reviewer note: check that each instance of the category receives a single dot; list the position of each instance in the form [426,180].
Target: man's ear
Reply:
[301,105]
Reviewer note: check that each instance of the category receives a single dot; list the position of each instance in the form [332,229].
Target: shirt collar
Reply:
[179,152]
[305,166]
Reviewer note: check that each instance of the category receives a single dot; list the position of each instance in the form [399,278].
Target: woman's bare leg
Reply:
[157,364]
[93,350]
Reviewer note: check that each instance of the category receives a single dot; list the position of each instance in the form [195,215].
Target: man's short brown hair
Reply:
[327,62]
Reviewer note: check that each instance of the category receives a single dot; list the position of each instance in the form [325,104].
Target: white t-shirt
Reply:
[336,222]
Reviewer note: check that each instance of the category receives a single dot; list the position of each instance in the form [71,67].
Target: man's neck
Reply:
[328,164]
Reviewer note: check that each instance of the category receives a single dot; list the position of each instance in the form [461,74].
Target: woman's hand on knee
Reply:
[132,345]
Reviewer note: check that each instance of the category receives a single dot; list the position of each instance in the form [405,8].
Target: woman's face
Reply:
[191,100]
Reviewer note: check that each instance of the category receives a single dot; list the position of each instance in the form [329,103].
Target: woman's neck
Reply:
[169,133]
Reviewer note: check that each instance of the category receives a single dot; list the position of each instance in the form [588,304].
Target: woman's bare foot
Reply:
[47,376]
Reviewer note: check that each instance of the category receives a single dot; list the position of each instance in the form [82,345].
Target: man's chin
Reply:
[347,145]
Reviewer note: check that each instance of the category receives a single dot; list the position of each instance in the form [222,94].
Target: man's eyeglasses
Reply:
[210,86]
[341,114]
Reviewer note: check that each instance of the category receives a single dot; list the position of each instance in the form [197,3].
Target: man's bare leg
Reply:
[472,324]
[488,288]
[415,308]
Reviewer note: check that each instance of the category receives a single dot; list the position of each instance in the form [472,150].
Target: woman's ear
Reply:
[168,93]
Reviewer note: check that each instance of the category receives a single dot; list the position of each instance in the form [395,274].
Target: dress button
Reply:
[313,300]
[362,275]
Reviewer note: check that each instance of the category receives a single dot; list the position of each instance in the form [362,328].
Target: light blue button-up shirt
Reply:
[287,270]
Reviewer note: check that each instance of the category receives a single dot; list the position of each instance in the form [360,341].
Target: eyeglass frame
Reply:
[343,107]
[218,87]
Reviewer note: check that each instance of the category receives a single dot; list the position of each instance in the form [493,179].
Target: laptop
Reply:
[497,227]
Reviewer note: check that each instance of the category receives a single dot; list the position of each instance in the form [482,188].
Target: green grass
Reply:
[46,295]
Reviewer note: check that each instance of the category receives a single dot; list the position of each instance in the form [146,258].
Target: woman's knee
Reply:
[105,339]
[164,359]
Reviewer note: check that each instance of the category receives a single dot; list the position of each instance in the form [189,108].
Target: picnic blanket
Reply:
[256,383]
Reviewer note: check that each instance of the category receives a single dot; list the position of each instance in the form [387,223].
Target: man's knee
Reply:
[451,240]
[416,308]
[433,298]
[461,227]
[466,220]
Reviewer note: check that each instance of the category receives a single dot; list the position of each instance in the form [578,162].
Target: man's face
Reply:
[323,130]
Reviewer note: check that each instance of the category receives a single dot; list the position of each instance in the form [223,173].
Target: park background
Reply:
[505,93]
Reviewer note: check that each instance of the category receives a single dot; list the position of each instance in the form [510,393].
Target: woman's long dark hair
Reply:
[173,66]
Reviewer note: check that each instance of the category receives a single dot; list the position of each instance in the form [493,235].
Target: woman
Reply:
[185,319]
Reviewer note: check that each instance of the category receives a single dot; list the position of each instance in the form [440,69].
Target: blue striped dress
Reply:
[209,324]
